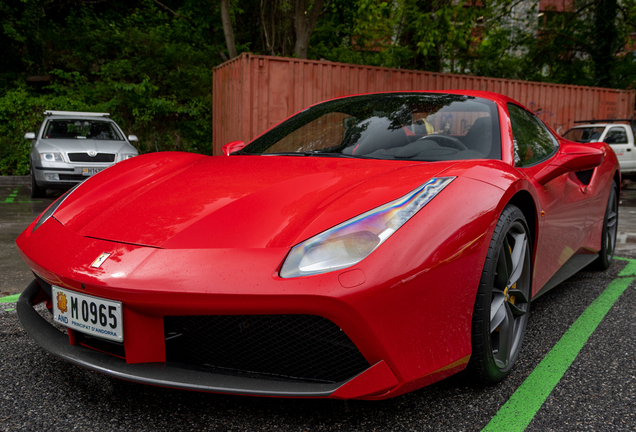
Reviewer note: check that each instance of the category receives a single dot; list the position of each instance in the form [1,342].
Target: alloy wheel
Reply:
[510,296]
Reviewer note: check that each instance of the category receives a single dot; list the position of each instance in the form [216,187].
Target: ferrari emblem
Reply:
[100,260]
[61,302]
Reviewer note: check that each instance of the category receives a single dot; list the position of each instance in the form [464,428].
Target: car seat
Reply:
[479,136]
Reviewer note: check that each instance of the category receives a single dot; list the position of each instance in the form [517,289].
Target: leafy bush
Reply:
[152,72]
[21,112]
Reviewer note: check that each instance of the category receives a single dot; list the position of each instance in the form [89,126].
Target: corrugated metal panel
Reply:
[253,93]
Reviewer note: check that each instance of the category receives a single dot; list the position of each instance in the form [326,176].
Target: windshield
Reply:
[584,134]
[82,129]
[396,126]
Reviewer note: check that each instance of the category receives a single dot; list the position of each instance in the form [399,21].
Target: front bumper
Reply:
[64,176]
[377,379]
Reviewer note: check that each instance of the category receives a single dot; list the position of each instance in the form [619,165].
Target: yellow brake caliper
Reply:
[507,297]
[511,298]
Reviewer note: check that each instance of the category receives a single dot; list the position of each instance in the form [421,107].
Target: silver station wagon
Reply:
[72,146]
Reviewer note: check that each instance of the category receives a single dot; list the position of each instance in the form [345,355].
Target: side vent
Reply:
[585,176]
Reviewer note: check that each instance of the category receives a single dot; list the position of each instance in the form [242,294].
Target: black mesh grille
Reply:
[297,347]
[84,157]
[72,177]
[44,285]
[585,176]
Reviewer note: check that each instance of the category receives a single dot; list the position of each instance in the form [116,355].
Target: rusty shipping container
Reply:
[253,93]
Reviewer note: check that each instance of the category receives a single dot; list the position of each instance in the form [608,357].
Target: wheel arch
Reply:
[525,202]
[481,366]
[617,179]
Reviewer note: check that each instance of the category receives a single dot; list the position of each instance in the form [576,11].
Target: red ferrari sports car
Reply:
[363,248]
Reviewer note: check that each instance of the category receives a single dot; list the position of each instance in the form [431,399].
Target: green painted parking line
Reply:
[630,268]
[10,299]
[11,199]
[518,412]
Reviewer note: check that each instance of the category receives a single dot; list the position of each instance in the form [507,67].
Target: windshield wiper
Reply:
[308,153]
[285,154]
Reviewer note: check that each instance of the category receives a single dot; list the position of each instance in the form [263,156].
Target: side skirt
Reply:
[572,266]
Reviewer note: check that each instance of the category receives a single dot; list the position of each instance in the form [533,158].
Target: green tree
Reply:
[584,44]
[148,66]
[21,39]
[150,62]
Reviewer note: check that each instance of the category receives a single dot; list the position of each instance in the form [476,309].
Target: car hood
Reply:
[83,146]
[180,200]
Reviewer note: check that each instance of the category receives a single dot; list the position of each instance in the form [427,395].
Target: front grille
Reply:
[585,176]
[296,347]
[72,177]
[44,285]
[84,157]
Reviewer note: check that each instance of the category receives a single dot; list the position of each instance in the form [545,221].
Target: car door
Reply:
[562,201]
[616,137]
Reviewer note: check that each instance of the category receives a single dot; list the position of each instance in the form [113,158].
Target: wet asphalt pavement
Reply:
[598,391]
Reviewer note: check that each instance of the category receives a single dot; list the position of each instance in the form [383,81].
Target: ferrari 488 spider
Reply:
[363,248]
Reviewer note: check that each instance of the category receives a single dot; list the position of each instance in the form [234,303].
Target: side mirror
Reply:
[29,136]
[132,138]
[571,157]
[232,146]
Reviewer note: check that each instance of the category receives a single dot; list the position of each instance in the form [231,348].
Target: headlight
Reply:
[51,157]
[123,157]
[49,211]
[350,242]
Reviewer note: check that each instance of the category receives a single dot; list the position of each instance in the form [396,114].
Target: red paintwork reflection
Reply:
[272,210]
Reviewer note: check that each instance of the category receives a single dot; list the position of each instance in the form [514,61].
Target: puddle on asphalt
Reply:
[628,202]
[17,200]
[628,197]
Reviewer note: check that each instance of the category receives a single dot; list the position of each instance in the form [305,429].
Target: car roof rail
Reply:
[76,113]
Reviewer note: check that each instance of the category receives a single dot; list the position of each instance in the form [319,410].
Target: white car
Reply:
[619,136]
[71,146]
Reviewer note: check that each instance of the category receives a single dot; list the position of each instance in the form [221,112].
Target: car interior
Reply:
[383,142]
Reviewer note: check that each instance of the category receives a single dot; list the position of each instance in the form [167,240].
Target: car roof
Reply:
[497,97]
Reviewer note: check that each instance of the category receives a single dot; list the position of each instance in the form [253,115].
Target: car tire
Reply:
[36,191]
[503,300]
[610,227]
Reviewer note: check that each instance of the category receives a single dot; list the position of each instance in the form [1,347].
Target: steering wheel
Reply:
[446,141]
